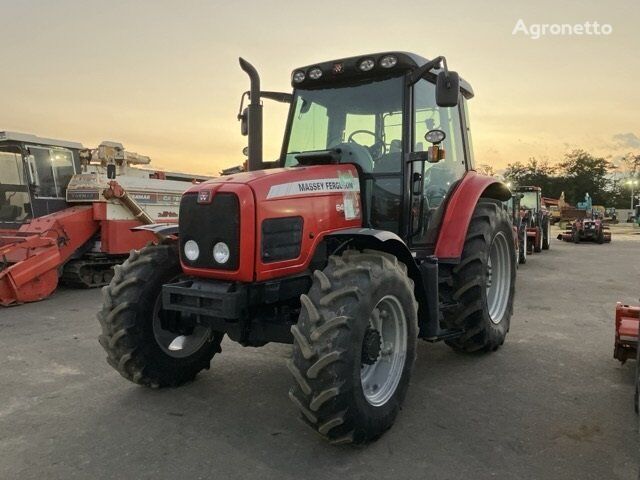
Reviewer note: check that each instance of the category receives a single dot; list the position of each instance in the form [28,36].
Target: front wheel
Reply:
[354,346]
[144,343]
[483,282]
[522,256]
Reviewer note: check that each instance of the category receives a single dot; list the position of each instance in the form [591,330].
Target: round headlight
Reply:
[191,250]
[315,73]
[366,64]
[299,76]
[221,252]
[388,61]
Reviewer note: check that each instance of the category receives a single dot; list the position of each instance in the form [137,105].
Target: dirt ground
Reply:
[552,403]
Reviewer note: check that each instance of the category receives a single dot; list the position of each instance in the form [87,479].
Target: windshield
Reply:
[529,200]
[14,196]
[365,121]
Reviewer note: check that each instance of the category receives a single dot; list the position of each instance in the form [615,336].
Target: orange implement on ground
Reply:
[31,255]
[627,331]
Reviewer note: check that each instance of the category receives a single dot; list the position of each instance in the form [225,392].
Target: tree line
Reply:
[578,173]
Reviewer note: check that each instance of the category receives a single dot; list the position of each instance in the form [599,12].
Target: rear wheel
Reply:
[484,282]
[354,346]
[522,255]
[145,344]
[545,233]
[537,245]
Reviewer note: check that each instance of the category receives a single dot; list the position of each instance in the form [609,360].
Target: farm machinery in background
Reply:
[592,229]
[535,217]
[56,223]
[626,339]
[519,227]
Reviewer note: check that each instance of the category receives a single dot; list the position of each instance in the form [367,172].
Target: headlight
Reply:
[299,76]
[388,61]
[221,252]
[366,64]
[191,250]
[315,73]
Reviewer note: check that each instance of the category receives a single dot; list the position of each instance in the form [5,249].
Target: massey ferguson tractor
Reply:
[370,231]
[535,217]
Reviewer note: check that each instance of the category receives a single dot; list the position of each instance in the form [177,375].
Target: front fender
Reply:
[459,210]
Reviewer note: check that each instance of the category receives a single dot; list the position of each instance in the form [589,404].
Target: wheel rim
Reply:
[498,278]
[191,344]
[380,379]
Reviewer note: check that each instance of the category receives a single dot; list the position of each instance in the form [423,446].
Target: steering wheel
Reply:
[376,150]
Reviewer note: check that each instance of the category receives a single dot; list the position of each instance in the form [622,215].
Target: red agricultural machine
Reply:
[626,340]
[363,237]
[519,227]
[535,217]
[55,222]
[591,229]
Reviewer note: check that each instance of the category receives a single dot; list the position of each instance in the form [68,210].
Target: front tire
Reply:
[137,346]
[354,346]
[522,255]
[483,282]
[545,233]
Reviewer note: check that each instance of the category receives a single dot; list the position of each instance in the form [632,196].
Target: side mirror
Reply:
[244,122]
[447,89]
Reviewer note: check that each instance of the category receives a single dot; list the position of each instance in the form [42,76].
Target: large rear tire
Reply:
[137,344]
[523,248]
[483,282]
[354,346]
[546,227]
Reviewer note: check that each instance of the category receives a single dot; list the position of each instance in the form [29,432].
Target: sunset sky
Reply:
[162,77]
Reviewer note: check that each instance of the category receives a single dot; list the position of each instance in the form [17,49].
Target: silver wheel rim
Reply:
[498,278]
[191,344]
[380,380]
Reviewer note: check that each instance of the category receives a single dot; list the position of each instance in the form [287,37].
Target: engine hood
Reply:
[291,182]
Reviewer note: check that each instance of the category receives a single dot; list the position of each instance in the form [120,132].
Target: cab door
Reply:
[432,183]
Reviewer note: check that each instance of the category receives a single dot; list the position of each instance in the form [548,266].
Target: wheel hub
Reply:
[371,346]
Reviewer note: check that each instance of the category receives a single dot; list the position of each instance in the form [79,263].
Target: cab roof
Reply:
[347,70]
[6,136]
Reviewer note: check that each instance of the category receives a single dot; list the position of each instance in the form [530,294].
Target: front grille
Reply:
[281,238]
[208,224]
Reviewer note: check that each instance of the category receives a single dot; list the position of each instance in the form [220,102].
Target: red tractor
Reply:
[626,339]
[535,217]
[587,229]
[360,239]
[519,227]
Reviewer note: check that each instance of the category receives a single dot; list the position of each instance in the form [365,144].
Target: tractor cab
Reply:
[400,119]
[34,174]
[531,198]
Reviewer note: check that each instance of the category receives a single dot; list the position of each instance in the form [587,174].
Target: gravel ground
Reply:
[552,403]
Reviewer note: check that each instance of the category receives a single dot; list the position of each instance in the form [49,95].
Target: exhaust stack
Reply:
[255,117]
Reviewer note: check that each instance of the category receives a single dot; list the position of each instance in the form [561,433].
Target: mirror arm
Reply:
[422,71]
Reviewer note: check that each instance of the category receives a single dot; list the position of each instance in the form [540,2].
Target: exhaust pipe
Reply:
[255,118]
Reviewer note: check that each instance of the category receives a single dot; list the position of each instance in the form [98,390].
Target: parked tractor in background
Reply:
[626,340]
[345,247]
[587,229]
[535,217]
[55,222]
[519,227]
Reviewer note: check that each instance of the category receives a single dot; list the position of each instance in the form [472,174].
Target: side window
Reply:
[439,177]
[63,169]
[465,109]
[51,170]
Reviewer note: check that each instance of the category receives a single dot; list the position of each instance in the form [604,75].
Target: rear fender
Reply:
[460,207]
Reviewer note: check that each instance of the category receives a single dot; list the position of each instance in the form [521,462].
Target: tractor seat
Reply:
[390,162]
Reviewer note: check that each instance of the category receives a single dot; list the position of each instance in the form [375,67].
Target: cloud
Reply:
[627,140]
